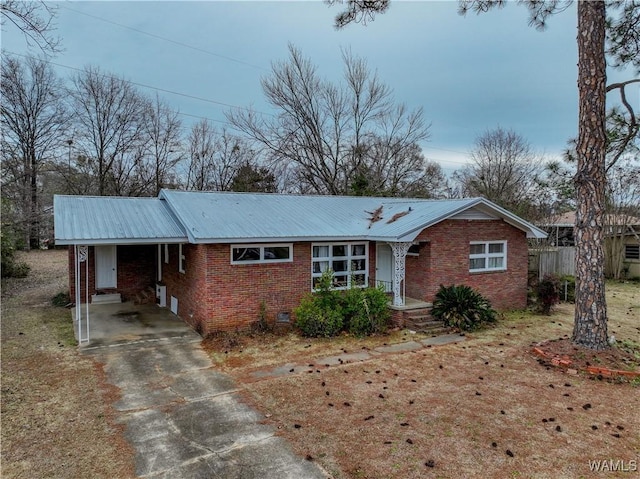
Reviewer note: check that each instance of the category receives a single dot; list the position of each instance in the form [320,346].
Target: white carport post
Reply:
[81,255]
[399,255]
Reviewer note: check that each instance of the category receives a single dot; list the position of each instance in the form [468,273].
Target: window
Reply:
[267,253]
[348,261]
[180,259]
[166,253]
[487,256]
[631,251]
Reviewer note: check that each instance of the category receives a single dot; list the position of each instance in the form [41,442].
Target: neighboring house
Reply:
[622,240]
[219,259]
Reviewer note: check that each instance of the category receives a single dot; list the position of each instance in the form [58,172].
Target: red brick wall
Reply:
[445,260]
[136,271]
[215,295]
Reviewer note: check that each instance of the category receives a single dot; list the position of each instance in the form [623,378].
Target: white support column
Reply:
[82,256]
[399,256]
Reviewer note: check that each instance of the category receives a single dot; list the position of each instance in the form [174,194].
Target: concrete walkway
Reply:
[346,358]
[183,418]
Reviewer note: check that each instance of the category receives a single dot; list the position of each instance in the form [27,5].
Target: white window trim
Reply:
[488,255]
[348,258]
[261,247]
[181,259]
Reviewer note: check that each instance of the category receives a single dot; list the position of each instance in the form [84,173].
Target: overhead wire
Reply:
[160,37]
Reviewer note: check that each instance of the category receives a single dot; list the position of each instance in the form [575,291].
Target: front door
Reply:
[384,267]
[106,267]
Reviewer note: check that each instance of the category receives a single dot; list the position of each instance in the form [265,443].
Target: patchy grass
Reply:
[56,419]
[481,408]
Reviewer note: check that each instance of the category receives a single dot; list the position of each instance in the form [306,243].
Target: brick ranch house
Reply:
[219,259]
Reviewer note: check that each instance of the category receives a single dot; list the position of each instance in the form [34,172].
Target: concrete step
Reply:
[106,298]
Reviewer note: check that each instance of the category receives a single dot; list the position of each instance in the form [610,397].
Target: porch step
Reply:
[420,320]
[106,298]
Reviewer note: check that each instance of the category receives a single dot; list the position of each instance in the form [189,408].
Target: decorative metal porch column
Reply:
[399,256]
[81,255]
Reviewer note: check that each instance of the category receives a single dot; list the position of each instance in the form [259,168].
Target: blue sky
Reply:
[469,74]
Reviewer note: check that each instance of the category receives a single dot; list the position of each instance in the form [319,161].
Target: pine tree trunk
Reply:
[590,326]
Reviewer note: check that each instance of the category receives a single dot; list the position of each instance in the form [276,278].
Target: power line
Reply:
[159,37]
[163,90]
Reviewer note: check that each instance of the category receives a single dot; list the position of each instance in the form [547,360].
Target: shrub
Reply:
[61,300]
[315,320]
[548,293]
[462,307]
[366,311]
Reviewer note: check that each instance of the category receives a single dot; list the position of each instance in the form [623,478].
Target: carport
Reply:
[100,229]
[122,323]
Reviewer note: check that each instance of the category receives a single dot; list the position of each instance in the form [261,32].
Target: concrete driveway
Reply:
[183,418]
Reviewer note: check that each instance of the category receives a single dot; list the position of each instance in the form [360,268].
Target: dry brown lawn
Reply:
[56,415]
[483,408]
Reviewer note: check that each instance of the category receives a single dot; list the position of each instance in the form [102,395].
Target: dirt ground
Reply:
[483,408]
[56,415]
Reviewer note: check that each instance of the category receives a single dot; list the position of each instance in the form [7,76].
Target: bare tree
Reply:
[35,20]
[214,157]
[504,169]
[109,114]
[164,146]
[623,47]
[325,134]
[33,121]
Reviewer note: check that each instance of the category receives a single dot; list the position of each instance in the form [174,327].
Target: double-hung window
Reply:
[348,261]
[487,256]
[261,253]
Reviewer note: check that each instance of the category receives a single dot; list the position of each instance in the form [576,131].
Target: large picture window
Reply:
[487,256]
[348,261]
[261,253]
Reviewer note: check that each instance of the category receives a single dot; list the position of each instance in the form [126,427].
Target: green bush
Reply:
[366,311]
[327,312]
[462,307]
[61,300]
[314,320]
[548,293]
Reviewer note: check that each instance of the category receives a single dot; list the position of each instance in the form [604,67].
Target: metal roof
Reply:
[111,220]
[224,217]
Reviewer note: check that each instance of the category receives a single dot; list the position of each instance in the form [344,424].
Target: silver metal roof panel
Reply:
[111,220]
[218,217]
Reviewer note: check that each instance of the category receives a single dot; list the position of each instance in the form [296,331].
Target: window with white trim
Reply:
[487,256]
[631,251]
[180,259]
[348,261]
[261,253]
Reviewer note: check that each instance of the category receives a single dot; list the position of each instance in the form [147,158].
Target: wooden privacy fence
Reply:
[560,261]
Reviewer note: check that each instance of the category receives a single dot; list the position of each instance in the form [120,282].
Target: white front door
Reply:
[384,266]
[106,267]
